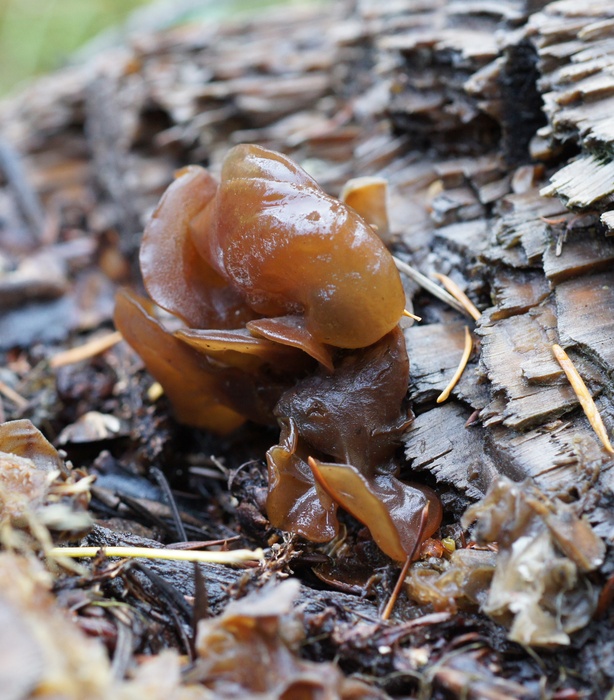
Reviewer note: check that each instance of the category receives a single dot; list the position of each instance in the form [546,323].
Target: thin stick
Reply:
[162,482]
[235,557]
[584,397]
[25,196]
[193,545]
[460,369]
[13,396]
[554,222]
[397,590]
[459,295]
[410,315]
[428,284]
[84,352]
[399,584]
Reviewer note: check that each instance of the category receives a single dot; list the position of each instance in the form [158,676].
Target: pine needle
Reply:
[84,352]
[397,590]
[459,295]
[428,284]
[236,556]
[583,394]
[460,369]
[410,556]
[410,315]
[13,396]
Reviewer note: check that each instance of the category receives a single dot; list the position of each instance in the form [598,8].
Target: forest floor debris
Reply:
[472,117]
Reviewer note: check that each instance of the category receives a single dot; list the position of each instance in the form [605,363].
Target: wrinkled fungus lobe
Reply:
[353,416]
[266,277]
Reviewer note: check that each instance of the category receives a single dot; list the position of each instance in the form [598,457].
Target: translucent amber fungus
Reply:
[285,306]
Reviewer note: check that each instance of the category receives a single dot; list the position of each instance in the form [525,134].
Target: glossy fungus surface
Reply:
[283,306]
[290,248]
[355,416]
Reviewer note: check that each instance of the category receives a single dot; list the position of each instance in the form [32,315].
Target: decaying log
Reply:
[440,441]
[516,355]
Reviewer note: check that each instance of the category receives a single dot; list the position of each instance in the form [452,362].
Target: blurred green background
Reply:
[38,36]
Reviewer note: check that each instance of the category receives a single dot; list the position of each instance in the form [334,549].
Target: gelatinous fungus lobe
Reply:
[266,254]
[265,276]
[354,416]
[291,249]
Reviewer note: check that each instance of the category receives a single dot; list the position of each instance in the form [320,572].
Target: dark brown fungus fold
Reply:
[239,348]
[187,380]
[355,416]
[269,275]
[292,332]
[391,509]
[289,248]
[296,502]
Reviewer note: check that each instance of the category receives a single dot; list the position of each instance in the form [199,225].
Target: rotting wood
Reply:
[439,442]
[564,456]
[507,346]
[584,316]
[516,291]
[581,252]
[432,371]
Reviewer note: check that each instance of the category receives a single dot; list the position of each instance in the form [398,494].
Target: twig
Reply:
[399,584]
[460,369]
[84,352]
[428,284]
[162,482]
[13,396]
[459,295]
[237,556]
[122,654]
[175,598]
[583,394]
[397,590]
[25,196]
[202,544]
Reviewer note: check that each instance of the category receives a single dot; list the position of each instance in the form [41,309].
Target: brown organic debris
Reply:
[84,352]
[251,649]
[37,491]
[539,587]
